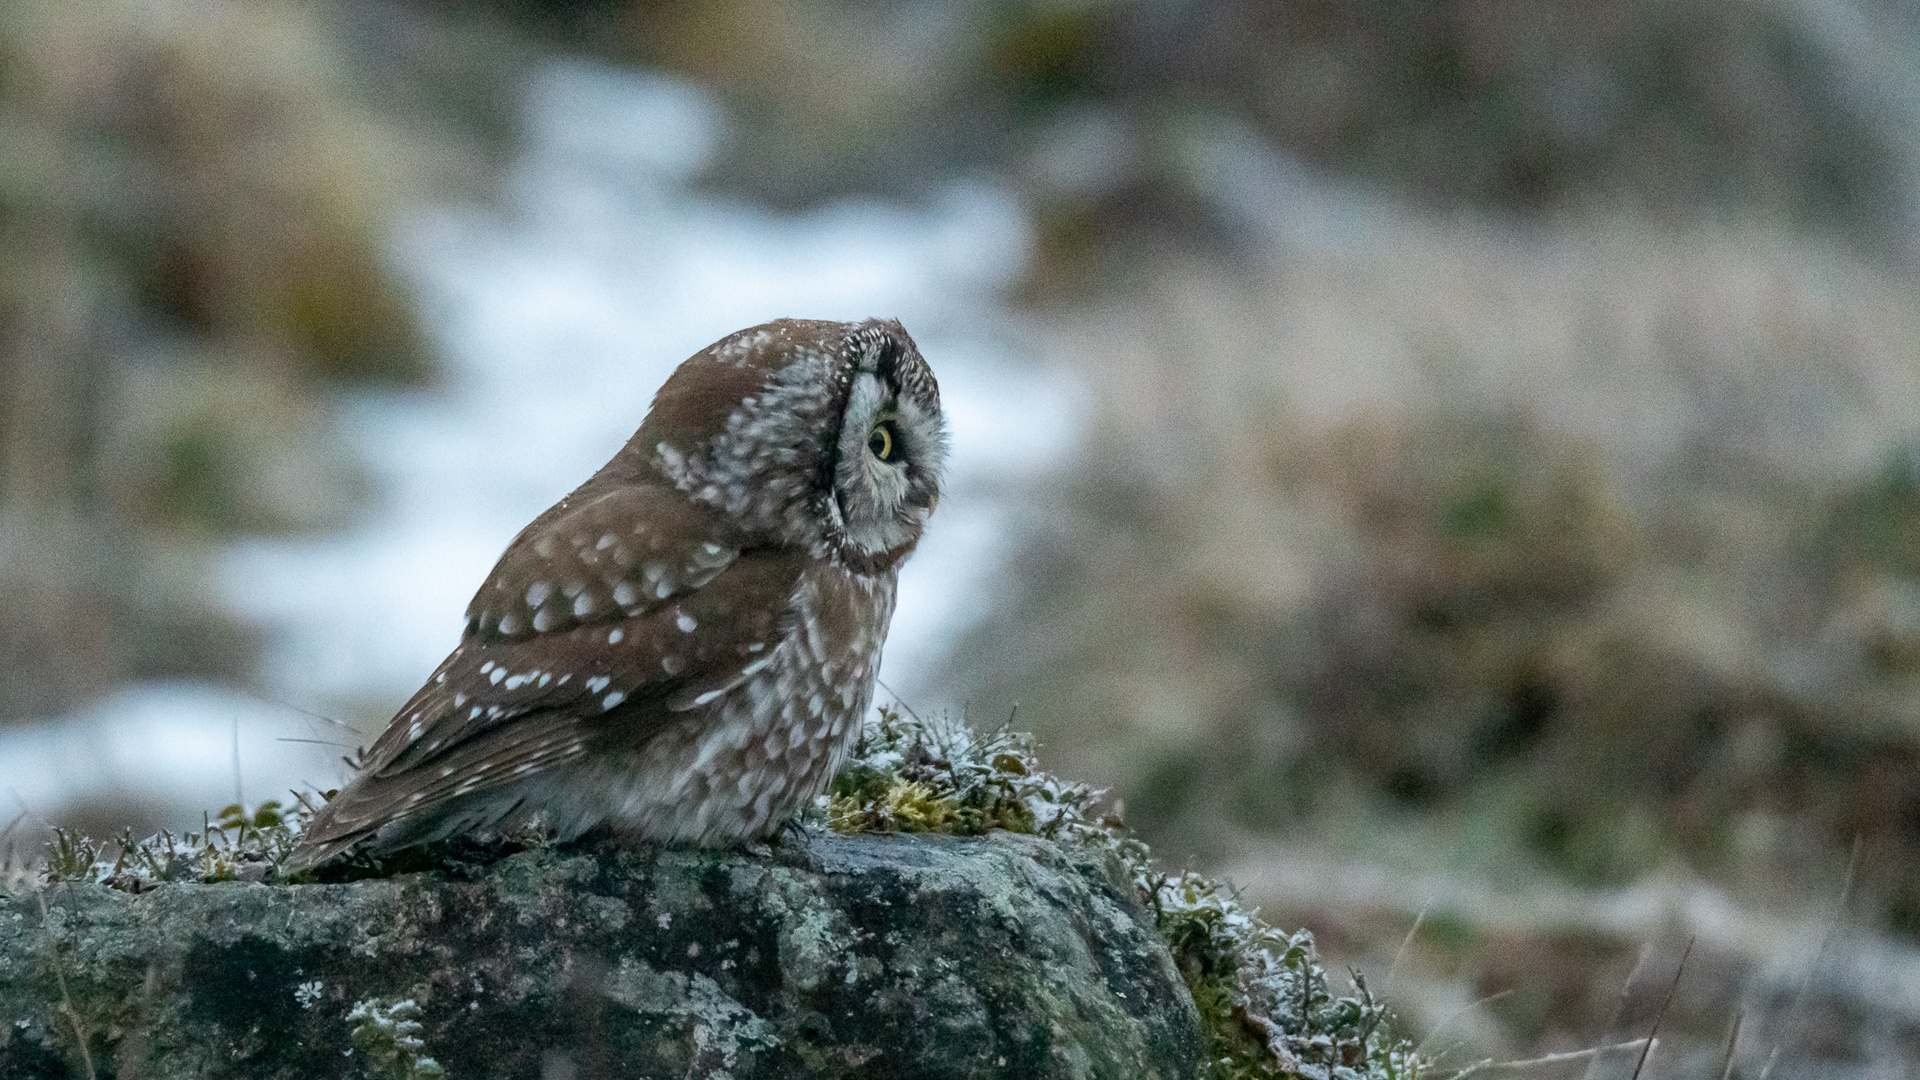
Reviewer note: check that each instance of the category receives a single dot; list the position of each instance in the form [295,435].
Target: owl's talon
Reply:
[793,833]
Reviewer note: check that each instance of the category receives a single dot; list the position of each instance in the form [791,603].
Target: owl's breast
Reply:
[742,765]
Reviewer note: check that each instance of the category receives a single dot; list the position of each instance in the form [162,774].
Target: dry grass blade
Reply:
[1666,1003]
[66,998]
[1806,982]
[1733,1043]
[1386,985]
[1620,1005]
[1589,1055]
[898,700]
[1455,1015]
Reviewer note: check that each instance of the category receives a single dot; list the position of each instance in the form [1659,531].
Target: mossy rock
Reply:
[895,956]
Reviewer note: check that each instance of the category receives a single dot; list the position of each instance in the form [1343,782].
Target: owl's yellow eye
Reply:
[880,441]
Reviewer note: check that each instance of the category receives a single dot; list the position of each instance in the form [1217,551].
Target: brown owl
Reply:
[684,648]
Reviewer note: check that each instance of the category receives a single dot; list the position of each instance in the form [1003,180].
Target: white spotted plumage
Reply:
[684,647]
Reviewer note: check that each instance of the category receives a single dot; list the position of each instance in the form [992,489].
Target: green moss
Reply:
[907,776]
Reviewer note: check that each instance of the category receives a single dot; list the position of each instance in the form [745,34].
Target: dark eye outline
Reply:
[881,441]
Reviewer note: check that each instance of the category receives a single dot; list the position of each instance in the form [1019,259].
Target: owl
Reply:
[684,648]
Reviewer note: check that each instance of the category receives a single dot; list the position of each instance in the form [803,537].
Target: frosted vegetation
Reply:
[1266,1005]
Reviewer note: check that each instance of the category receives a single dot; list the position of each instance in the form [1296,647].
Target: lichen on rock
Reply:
[923,956]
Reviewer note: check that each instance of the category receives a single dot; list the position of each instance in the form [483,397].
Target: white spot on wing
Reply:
[537,593]
[598,683]
[672,665]
[613,699]
[614,635]
[624,594]
[685,623]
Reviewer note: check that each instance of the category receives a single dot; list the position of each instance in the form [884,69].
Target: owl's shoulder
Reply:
[607,552]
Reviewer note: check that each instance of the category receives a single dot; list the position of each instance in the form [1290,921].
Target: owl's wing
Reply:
[602,619]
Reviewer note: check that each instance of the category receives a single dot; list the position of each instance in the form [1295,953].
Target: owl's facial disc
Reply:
[891,449]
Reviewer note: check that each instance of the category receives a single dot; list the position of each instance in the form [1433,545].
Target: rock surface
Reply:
[995,956]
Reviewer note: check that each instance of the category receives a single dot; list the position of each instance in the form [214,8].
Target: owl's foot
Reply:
[793,833]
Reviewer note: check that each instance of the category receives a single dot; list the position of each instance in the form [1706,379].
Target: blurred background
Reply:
[1451,467]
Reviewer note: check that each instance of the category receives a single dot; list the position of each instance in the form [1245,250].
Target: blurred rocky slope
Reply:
[1107,115]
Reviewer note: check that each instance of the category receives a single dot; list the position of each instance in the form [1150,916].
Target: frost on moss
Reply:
[1264,1000]
[238,845]
[1263,997]
[387,1037]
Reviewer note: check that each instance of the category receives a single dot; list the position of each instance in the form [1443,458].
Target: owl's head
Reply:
[821,435]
